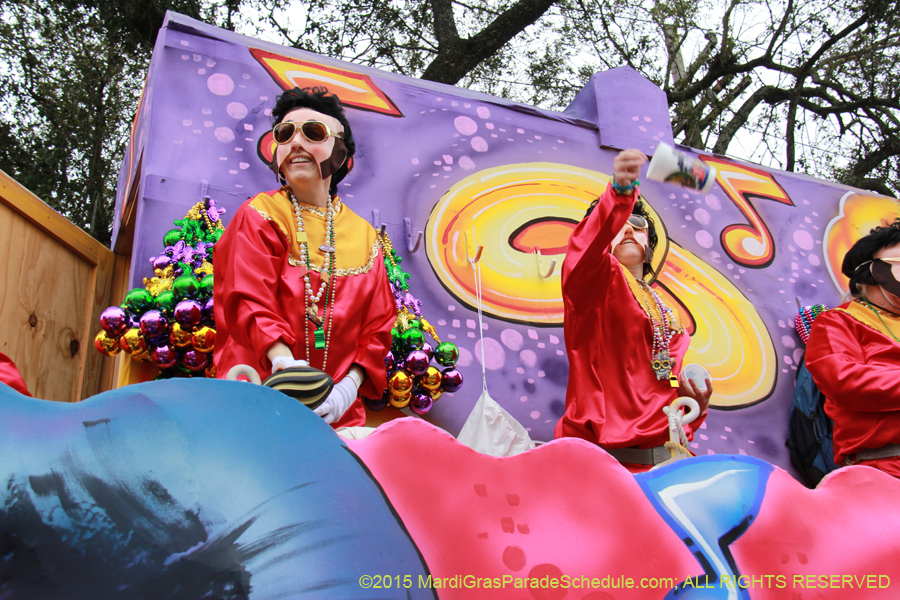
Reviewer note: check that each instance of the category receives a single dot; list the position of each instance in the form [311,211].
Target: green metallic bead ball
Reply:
[446,354]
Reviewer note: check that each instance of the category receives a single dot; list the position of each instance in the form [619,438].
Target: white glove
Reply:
[284,362]
[341,397]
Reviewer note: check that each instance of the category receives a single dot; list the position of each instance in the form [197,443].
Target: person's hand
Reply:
[687,387]
[339,400]
[627,166]
[285,361]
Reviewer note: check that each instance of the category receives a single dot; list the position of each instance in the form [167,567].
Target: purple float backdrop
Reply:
[207,102]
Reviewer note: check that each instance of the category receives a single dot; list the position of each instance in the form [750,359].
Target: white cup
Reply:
[672,166]
[697,374]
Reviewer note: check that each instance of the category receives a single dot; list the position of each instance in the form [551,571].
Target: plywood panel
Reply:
[56,283]
[44,308]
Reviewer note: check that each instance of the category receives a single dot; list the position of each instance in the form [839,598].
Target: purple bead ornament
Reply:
[451,379]
[420,404]
[417,362]
[114,321]
[188,313]
[154,324]
[208,311]
[164,356]
[194,360]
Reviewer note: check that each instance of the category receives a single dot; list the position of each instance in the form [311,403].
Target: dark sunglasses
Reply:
[638,222]
[314,131]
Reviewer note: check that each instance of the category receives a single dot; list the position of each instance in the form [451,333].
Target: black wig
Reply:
[320,100]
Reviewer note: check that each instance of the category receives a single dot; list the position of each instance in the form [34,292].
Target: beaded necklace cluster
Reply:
[321,333]
[803,320]
[660,360]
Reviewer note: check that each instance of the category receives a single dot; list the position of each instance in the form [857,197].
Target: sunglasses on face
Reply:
[638,222]
[314,131]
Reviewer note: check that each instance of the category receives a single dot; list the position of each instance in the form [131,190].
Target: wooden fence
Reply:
[56,282]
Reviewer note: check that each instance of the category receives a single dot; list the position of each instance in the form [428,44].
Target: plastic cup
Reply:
[697,374]
[673,166]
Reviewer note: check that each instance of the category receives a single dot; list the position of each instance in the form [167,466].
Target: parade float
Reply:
[189,487]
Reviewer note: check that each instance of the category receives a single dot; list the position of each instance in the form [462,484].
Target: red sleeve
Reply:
[837,361]
[250,255]
[587,263]
[375,337]
[10,375]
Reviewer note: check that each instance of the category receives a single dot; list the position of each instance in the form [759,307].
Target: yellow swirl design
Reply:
[489,208]
[857,216]
[729,337]
[495,206]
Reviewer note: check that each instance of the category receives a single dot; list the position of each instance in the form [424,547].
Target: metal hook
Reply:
[478,250]
[376,217]
[537,259]
[204,191]
[412,248]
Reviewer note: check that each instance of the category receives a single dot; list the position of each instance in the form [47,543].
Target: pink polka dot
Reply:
[804,240]
[494,355]
[512,339]
[224,134]
[236,110]
[465,125]
[704,238]
[479,144]
[220,84]
[528,358]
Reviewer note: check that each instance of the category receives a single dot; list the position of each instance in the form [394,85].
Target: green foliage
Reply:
[71,75]
[807,86]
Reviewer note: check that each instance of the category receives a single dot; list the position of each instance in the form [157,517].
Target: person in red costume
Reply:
[300,277]
[853,354]
[10,375]
[625,346]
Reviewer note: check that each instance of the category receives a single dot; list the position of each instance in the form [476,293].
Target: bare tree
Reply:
[811,83]
[807,86]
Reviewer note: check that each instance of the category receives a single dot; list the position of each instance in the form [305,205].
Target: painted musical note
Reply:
[749,245]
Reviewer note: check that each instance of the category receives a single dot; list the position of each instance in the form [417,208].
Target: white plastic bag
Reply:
[489,429]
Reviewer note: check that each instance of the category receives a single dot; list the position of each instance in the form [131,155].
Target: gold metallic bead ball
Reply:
[400,384]
[180,336]
[204,339]
[431,379]
[400,402]
[106,344]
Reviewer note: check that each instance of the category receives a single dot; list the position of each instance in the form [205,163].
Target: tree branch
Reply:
[456,57]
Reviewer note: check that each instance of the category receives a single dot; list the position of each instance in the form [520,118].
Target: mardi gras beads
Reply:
[170,321]
[803,320]
[412,380]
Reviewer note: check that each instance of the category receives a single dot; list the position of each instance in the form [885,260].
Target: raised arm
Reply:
[587,256]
